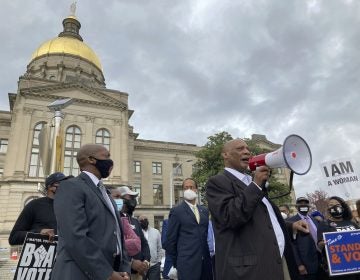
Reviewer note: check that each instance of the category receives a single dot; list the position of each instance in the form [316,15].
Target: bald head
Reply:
[86,151]
[236,154]
[231,143]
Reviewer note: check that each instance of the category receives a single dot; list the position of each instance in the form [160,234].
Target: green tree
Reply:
[209,160]
[209,163]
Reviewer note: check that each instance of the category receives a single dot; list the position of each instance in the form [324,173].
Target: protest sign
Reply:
[341,178]
[343,252]
[37,257]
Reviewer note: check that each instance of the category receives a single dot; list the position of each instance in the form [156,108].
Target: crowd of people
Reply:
[241,235]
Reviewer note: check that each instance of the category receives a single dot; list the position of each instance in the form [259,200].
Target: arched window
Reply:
[103,138]
[72,145]
[35,169]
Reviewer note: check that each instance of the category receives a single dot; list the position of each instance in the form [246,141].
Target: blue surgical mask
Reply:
[119,203]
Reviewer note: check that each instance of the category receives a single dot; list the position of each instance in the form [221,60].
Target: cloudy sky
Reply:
[193,68]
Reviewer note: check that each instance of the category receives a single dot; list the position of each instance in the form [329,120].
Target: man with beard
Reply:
[186,240]
[129,205]
[38,215]
[91,243]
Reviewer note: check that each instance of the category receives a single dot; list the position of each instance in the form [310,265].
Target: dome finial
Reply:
[71,24]
[73,10]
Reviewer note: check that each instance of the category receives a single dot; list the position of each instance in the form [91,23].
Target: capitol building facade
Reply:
[67,68]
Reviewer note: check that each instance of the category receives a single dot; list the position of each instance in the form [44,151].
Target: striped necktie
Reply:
[112,209]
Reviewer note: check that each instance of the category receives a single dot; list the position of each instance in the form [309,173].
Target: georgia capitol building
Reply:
[65,67]
[62,68]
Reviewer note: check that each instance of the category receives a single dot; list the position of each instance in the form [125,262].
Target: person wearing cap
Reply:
[132,241]
[141,261]
[38,215]
[306,254]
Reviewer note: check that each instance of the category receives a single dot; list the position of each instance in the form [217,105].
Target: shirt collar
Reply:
[92,177]
[237,174]
[302,216]
[190,205]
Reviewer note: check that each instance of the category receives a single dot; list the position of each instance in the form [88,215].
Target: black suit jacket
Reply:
[245,242]
[186,242]
[304,248]
[87,232]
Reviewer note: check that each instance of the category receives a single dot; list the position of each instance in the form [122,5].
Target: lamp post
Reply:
[173,170]
[56,137]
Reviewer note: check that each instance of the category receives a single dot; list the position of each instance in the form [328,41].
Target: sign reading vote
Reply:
[343,252]
[37,257]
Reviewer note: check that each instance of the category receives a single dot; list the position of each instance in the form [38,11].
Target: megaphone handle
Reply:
[265,185]
[290,187]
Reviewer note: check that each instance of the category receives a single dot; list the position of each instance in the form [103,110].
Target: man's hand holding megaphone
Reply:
[261,175]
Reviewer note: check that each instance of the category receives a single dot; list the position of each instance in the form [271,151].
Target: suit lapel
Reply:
[95,189]
[202,214]
[189,211]
[239,184]
[235,180]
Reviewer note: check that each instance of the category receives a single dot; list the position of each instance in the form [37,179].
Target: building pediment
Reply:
[80,93]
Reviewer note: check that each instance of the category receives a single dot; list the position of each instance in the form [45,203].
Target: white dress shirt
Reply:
[246,179]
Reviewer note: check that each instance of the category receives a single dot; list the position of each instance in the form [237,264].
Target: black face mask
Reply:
[104,166]
[144,224]
[336,211]
[130,205]
[303,210]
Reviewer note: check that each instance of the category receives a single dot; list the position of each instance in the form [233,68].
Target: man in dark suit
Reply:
[186,239]
[251,238]
[305,250]
[90,237]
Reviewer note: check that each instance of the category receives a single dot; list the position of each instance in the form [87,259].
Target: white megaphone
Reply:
[294,154]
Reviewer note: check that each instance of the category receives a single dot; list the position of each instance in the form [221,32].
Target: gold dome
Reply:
[67,45]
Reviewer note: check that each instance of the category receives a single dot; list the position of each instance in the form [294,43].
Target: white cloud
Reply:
[194,68]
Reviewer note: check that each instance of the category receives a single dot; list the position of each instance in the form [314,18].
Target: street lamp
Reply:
[173,170]
[56,137]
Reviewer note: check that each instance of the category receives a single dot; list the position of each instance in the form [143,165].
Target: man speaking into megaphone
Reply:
[251,238]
